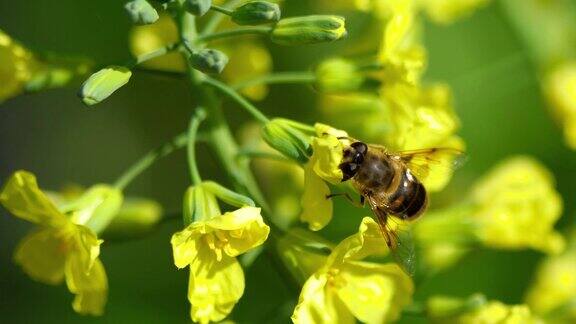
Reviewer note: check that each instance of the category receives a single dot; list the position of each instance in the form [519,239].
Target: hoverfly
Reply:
[392,184]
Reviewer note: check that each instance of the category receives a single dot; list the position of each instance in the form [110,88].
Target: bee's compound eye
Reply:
[360,147]
[358,158]
[348,170]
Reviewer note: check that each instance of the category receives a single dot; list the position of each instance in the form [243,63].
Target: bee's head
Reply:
[353,158]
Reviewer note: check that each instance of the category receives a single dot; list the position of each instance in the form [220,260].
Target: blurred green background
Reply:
[53,135]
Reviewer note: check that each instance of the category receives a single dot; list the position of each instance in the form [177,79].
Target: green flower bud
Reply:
[286,139]
[208,60]
[136,217]
[308,30]
[197,7]
[96,207]
[228,196]
[103,83]
[199,204]
[338,75]
[141,12]
[256,13]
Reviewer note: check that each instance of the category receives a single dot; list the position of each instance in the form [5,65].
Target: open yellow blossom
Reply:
[475,309]
[554,288]
[518,207]
[560,89]
[210,248]
[345,288]
[321,168]
[64,245]
[17,67]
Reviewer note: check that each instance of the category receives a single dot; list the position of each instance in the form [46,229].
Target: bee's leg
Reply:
[347,196]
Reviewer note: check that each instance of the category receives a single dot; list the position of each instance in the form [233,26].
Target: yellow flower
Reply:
[448,11]
[476,309]
[403,58]
[210,248]
[517,207]
[18,65]
[321,168]
[554,287]
[560,89]
[346,288]
[64,245]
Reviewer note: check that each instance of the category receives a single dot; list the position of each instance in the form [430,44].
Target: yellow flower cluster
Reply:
[17,68]
[65,244]
[344,287]
[408,114]
[554,289]
[209,246]
[514,206]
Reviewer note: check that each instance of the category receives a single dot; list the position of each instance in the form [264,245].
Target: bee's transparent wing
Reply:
[398,238]
[431,164]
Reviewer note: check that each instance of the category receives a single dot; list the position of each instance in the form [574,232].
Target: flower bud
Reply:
[256,13]
[226,195]
[209,60]
[308,30]
[197,7]
[96,207]
[338,75]
[284,138]
[136,217]
[199,204]
[103,83]
[141,12]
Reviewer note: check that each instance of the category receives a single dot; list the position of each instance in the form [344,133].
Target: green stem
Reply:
[280,77]
[154,54]
[255,112]
[215,21]
[198,116]
[219,135]
[235,32]
[250,153]
[145,162]
[221,10]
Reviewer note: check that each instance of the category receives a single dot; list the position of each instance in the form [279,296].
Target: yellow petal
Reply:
[22,197]
[184,248]
[375,293]
[214,287]
[89,284]
[242,229]
[319,304]
[316,208]
[41,254]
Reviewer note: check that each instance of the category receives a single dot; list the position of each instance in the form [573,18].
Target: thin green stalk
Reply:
[198,116]
[234,32]
[255,112]
[145,162]
[217,18]
[221,10]
[250,153]
[275,78]
[218,133]
[154,54]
